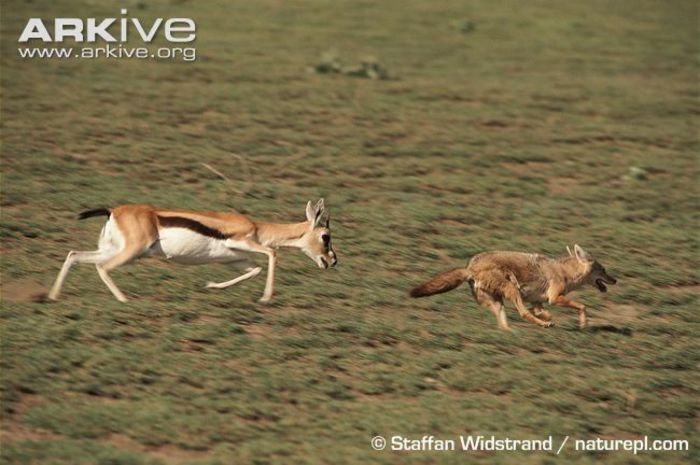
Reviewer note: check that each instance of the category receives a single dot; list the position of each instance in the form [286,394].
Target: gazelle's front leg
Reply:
[252,246]
[119,295]
[251,272]
[270,281]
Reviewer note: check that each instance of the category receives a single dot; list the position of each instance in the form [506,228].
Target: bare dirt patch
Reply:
[169,453]
[618,314]
[269,331]
[23,290]
[208,320]
[529,168]
[682,289]
[14,432]
[559,185]
[257,332]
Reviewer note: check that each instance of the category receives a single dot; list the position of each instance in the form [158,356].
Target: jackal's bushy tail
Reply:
[441,283]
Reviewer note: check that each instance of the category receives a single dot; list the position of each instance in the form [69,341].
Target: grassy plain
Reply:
[544,124]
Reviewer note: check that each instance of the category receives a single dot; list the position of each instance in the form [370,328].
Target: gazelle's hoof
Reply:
[264,300]
[211,285]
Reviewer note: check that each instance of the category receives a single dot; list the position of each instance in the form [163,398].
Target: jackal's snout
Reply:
[602,279]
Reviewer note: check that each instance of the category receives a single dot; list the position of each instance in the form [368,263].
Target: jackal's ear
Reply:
[568,250]
[581,254]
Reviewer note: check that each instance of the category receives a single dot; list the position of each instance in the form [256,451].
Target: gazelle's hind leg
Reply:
[74,257]
[251,272]
[104,260]
[129,233]
[110,284]
[122,258]
[494,304]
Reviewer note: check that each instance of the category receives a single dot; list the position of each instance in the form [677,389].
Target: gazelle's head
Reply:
[316,241]
[594,273]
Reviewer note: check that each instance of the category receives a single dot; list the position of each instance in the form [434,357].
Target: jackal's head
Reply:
[594,273]
[316,242]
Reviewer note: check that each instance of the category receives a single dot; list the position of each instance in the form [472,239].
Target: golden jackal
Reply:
[523,277]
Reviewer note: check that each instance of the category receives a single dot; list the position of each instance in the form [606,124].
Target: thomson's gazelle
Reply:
[194,238]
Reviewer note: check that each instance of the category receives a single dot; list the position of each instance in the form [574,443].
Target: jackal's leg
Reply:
[582,317]
[495,305]
[513,294]
[541,313]
[251,272]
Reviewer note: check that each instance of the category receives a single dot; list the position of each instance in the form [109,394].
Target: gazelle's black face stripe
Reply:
[192,225]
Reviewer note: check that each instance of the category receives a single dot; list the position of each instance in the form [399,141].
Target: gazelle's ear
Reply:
[319,213]
[324,219]
[320,209]
[310,212]
[568,250]
[581,254]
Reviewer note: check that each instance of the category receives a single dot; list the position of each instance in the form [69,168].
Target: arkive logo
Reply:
[108,38]
[175,30]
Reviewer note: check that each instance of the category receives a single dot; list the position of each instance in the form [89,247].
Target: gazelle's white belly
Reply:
[182,245]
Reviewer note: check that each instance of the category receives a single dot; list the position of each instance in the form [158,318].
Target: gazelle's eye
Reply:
[326,238]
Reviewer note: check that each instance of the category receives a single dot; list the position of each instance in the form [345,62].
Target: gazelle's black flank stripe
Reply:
[192,225]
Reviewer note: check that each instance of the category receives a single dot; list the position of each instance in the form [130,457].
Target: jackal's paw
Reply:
[544,315]
[547,324]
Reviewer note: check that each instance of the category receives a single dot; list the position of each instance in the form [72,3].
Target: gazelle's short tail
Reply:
[94,212]
[441,283]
